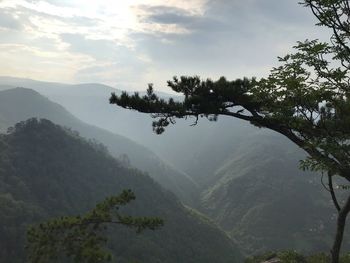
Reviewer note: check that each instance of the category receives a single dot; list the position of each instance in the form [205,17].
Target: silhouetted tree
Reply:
[82,237]
[306,99]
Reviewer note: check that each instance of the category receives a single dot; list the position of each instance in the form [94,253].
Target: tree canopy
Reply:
[50,174]
[81,237]
[306,99]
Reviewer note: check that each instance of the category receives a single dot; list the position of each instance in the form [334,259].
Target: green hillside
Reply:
[245,177]
[261,198]
[184,146]
[19,104]
[49,171]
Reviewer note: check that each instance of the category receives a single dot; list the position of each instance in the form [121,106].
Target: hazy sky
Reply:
[129,43]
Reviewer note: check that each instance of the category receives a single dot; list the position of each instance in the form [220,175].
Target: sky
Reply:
[130,43]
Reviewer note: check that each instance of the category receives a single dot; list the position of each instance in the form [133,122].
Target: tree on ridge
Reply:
[306,99]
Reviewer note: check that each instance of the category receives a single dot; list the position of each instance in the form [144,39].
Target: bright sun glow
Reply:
[133,42]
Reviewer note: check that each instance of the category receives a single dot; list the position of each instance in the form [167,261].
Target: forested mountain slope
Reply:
[261,197]
[182,145]
[247,177]
[48,171]
[20,104]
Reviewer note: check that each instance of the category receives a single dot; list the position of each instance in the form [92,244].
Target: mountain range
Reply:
[50,171]
[19,104]
[244,178]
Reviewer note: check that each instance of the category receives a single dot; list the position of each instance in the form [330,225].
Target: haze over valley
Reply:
[243,179]
[201,131]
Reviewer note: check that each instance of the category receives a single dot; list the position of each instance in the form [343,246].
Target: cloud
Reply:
[231,37]
[117,74]
[32,62]
[191,22]
[152,40]
[167,14]
[99,49]
[9,21]
[60,3]
[82,20]
[112,62]
[102,49]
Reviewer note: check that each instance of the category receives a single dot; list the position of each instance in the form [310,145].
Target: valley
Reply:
[243,179]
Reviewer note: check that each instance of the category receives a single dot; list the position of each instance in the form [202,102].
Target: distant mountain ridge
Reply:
[20,104]
[262,198]
[47,171]
[179,145]
[245,177]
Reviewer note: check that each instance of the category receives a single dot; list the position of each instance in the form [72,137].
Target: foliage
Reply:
[80,237]
[308,110]
[19,104]
[48,172]
[306,99]
[257,200]
[293,257]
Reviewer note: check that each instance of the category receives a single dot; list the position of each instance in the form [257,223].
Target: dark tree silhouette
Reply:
[306,99]
[82,237]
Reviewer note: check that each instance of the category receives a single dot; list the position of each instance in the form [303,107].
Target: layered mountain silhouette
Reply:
[49,171]
[19,104]
[245,179]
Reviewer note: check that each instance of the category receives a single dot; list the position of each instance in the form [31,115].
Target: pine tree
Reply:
[82,237]
[306,99]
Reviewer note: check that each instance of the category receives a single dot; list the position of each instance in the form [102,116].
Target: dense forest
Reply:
[251,167]
[18,104]
[239,197]
[48,171]
[223,184]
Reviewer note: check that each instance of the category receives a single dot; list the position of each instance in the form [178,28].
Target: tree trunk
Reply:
[335,252]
